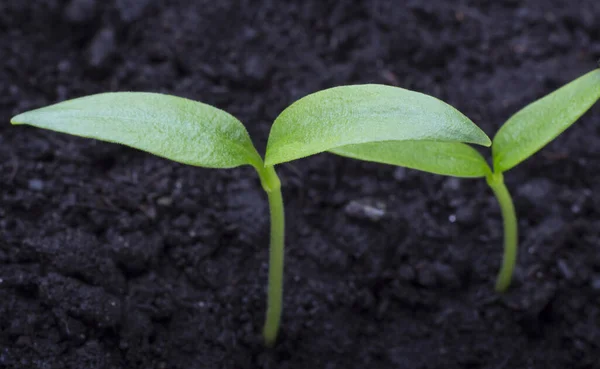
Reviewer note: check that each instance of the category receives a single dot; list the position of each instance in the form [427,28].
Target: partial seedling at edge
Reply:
[521,136]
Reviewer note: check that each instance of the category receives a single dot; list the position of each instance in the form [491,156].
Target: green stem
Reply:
[272,186]
[496,182]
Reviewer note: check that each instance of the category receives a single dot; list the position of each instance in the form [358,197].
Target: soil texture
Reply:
[113,258]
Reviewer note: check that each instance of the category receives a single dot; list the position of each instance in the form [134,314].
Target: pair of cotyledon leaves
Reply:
[365,122]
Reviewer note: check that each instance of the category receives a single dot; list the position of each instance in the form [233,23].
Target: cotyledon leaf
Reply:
[172,127]
[540,122]
[358,114]
[446,158]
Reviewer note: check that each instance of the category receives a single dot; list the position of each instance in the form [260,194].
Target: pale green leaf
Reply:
[540,122]
[172,127]
[357,114]
[446,158]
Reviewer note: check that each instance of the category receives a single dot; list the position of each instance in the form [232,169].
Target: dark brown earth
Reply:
[113,258]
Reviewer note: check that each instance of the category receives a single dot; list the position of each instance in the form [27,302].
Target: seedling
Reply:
[197,134]
[521,136]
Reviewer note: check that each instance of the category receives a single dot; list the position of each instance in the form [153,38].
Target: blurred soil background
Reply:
[113,258]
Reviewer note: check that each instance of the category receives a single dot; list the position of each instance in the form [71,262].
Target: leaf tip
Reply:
[480,138]
[17,119]
[487,142]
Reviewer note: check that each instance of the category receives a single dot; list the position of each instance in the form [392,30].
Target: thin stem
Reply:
[272,186]
[509,216]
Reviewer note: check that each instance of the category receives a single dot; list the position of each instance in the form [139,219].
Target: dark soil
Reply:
[113,258]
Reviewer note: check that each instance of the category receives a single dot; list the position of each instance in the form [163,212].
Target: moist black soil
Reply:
[113,258]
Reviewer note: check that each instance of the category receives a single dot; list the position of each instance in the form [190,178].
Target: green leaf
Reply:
[446,158]
[357,114]
[540,122]
[172,127]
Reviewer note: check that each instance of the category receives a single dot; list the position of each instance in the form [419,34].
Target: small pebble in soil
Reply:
[101,48]
[131,10]
[366,209]
[182,222]
[596,283]
[426,275]
[565,269]
[466,215]
[256,68]
[533,299]
[406,273]
[164,201]
[400,174]
[23,341]
[536,191]
[250,34]
[452,184]
[80,11]
[64,66]
[446,275]
[36,184]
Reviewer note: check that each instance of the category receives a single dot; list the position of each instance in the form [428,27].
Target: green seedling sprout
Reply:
[525,133]
[197,134]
